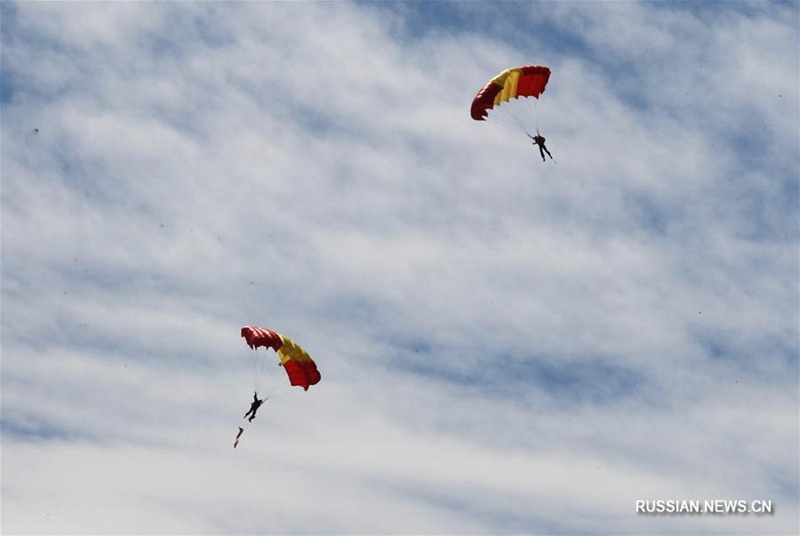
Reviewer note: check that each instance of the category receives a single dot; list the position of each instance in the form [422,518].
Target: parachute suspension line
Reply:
[257,366]
[274,386]
[520,119]
[520,115]
[531,113]
[278,389]
[510,119]
[513,115]
[262,364]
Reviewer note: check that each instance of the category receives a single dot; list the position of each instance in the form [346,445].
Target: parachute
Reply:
[299,366]
[513,83]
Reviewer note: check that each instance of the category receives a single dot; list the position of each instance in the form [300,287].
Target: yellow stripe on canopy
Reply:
[509,80]
[291,351]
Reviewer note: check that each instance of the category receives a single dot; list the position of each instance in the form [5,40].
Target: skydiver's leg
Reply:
[548,153]
[542,153]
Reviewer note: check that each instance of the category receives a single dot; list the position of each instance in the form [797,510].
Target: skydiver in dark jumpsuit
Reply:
[254,405]
[539,140]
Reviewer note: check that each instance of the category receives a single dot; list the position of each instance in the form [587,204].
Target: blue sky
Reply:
[506,345]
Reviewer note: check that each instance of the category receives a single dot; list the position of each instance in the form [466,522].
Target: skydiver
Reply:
[539,140]
[236,441]
[254,405]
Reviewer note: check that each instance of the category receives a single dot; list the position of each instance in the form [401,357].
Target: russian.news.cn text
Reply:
[701,507]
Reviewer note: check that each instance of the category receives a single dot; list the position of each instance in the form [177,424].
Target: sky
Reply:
[507,346]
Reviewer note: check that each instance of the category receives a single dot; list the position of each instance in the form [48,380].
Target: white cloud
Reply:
[505,345]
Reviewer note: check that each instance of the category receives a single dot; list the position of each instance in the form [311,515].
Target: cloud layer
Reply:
[506,346]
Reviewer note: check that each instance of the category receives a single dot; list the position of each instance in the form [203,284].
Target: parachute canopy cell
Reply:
[528,81]
[299,366]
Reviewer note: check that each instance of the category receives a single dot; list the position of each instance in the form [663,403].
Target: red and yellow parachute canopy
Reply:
[299,366]
[528,81]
